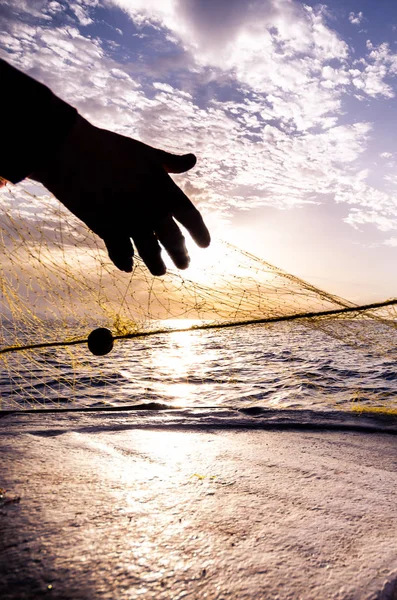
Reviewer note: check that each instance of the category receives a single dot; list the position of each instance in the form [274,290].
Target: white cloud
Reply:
[391,242]
[277,48]
[33,8]
[373,74]
[356,18]
[81,13]
[55,7]
[358,217]
[281,144]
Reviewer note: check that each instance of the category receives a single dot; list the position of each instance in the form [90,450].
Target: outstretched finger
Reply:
[194,223]
[173,241]
[185,212]
[150,252]
[120,251]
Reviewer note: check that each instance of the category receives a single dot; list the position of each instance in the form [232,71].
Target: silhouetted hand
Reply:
[121,189]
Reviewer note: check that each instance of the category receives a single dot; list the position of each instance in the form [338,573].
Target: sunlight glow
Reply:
[173,360]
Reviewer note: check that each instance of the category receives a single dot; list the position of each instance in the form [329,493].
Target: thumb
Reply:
[174,163]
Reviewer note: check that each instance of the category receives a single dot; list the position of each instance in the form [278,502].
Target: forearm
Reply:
[34,124]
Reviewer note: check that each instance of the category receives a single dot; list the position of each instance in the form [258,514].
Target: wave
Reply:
[159,415]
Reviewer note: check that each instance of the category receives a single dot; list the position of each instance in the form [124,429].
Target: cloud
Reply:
[81,13]
[11,10]
[274,48]
[392,242]
[77,69]
[358,217]
[215,25]
[258,95]
[356,18]
[373,74]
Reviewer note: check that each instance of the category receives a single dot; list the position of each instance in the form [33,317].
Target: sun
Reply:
[207,266]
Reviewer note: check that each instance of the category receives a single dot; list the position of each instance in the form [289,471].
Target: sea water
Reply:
[282,366]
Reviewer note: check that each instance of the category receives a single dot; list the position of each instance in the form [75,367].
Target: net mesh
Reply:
[58,284]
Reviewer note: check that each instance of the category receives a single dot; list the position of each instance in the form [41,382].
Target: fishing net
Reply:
[58,284]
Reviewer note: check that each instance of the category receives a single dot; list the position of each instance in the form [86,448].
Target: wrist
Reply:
[67,145]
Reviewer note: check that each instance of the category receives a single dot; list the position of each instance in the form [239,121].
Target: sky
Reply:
[289,106]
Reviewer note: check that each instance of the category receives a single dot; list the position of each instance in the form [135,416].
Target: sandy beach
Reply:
[108,506]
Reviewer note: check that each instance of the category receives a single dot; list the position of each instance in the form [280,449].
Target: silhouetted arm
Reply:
[118,186]
[34,123]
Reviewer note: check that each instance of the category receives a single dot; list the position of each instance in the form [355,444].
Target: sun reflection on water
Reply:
[180,323]
[178,359]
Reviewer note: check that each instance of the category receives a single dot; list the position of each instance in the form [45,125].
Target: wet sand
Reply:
[112,508]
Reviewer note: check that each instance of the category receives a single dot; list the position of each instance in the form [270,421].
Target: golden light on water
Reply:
[174,364]
[183,349]
[180,323]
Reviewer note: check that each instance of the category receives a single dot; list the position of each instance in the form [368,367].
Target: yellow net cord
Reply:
[58,284]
